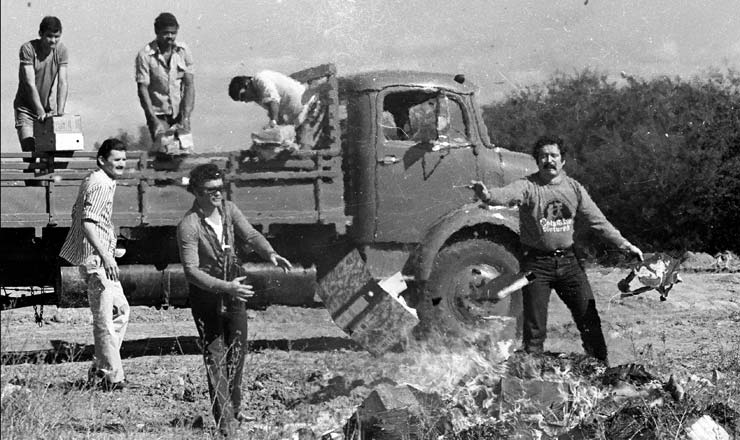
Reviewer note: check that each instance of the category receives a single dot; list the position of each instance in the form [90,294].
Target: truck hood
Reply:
[499,166]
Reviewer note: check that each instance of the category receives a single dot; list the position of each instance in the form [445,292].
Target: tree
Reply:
[661,157]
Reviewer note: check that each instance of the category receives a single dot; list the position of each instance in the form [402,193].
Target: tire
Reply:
[448,306]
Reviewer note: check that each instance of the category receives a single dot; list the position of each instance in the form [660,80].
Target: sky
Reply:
[500,45]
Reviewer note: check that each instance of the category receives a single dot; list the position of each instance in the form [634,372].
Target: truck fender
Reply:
[422,257]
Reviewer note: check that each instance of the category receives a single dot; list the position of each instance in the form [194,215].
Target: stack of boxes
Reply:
[59,133]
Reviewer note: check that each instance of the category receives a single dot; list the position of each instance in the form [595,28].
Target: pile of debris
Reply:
[548,396]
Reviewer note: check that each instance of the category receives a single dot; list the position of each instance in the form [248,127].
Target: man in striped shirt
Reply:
[91,245]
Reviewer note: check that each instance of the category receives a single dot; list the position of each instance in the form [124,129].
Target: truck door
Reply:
[424,158]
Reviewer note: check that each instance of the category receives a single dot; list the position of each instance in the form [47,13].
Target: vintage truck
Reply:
[383,171]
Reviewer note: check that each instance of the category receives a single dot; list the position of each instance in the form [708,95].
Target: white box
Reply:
[59,133]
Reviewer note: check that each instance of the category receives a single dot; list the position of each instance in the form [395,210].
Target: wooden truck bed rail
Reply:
[305,186]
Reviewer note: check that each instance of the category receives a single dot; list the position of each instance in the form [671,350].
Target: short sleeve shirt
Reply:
[287,92]
[46,70]
[163,81]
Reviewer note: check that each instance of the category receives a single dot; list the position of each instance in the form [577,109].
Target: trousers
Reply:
[110,313]
[222,327]
[565,275]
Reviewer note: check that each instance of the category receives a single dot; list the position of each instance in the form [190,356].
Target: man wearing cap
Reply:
[549,203]
[164,76]
[42,62]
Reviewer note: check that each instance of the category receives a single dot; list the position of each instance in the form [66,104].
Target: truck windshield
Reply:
[423,116]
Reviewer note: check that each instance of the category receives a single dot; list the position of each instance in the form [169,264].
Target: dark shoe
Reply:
[195,422]
[533,349]
[107,385]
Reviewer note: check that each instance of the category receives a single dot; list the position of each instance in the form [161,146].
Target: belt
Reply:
[554,253]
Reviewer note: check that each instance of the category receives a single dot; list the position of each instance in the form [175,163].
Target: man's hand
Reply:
[157,125]
[185,124]
[277,260]
[240,291]
[42,116]
[631,248]
[481,192]
[110,266]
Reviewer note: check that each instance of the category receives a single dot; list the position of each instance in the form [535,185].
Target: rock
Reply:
[675,389]
[699,261]
[705,428]
[401,412]
[10,389]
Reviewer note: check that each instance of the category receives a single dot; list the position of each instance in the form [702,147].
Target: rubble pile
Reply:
[547,396]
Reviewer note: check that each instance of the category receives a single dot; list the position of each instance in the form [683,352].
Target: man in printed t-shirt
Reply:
[42,61]
[549,202]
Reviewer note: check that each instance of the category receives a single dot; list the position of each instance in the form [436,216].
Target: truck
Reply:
[383,169]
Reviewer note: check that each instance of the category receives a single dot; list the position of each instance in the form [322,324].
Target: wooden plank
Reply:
[4,176]
[294,164]
[286,175]
[17,155]
[22,166]
[313,73]
[82,154]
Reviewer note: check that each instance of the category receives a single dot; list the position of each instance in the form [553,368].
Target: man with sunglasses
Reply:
[206,240]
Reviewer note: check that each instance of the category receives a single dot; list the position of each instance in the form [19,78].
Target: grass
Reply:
[319,387]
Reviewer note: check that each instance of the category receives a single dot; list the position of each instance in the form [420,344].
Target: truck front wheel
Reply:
[451,303]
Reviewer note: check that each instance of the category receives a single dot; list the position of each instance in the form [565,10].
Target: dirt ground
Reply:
[304,373]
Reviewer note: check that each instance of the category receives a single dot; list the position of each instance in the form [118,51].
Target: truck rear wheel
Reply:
[450,304]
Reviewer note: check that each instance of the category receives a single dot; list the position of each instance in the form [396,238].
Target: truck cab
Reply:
[415,140]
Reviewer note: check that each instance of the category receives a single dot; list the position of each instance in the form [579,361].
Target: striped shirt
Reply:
[95,204]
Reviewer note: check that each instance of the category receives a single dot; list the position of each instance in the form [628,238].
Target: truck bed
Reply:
[38,190]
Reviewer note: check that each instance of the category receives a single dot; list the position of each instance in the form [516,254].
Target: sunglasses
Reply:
[212,191]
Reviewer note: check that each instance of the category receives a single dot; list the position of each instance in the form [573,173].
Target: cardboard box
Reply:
[173,142]
[372,313]
[59,133]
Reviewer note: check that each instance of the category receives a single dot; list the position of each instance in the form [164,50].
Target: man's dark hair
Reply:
[237,84]
[202,174]
[163,20]
[50,24]
[548,140]
[109,145]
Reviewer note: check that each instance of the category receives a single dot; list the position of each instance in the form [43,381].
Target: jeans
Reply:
[110,312]
[564,274]
[223,334]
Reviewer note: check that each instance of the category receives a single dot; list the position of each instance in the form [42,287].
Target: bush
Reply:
[661,157]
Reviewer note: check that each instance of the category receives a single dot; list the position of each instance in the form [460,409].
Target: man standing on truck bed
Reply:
[549,202]
[42,61]
[91,245]
[165,79]
[206,239]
